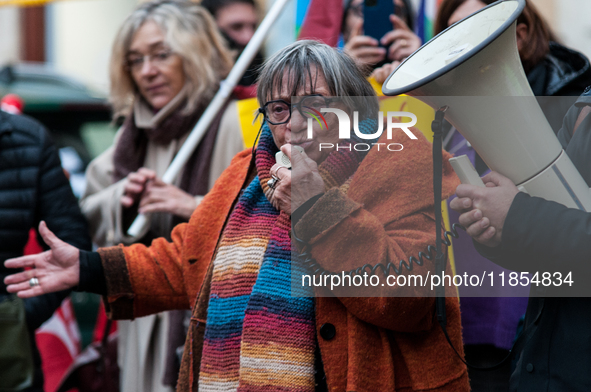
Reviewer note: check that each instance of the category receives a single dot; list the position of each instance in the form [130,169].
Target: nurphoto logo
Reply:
[345,128]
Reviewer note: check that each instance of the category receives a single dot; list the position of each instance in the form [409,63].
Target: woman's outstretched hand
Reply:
[56,269]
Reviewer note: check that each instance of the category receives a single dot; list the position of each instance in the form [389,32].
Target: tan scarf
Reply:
[143,126]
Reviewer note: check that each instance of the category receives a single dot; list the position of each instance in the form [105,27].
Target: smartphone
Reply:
[376,20]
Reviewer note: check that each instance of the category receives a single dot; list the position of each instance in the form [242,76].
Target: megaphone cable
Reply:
[440,261]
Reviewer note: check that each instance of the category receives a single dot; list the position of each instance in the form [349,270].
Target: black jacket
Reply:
[540,235]
[563,72]
[33,187]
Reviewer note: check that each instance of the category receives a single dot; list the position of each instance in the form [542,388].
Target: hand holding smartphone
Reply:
[378,34]
[376,22]
[376,17]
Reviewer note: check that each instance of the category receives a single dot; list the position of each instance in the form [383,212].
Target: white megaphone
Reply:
[473,67]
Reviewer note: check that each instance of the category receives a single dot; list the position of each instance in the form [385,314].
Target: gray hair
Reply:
[190,32]
[344,79]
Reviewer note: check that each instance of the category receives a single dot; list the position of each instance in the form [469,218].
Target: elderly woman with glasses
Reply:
[167,63]
[255,326]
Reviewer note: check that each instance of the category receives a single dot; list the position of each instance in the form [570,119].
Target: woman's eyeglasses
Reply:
[279,112]
[135,62]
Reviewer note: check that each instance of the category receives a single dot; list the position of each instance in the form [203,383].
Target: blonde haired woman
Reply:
[167,63]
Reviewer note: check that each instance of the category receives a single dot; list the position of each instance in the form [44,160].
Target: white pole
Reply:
[214,107]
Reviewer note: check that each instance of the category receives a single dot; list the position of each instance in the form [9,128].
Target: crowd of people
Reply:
[209,282]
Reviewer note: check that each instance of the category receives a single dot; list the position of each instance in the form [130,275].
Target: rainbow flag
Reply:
[302,7]
[426,19]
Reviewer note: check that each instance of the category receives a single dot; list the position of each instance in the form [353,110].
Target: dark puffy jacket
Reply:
[562,73]
[33,187]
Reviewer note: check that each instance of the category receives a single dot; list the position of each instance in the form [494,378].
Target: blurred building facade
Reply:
[73,36]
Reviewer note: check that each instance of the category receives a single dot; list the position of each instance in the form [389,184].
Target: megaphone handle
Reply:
[465,170]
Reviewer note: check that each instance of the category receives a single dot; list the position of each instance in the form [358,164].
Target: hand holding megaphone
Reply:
[473,67]
[484,209]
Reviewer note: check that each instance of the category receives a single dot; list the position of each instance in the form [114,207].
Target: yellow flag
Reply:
[247,109]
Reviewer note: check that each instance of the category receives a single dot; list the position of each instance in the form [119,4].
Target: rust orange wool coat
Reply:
[381,344]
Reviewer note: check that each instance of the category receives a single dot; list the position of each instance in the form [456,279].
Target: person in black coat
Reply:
[557,76]
[526,233]
[33,188]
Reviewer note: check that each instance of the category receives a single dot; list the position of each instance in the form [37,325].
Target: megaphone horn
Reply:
[473,67]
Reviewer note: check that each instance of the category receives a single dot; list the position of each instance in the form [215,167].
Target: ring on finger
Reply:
[33,282]
[273,181]
[403,42]
[277,171]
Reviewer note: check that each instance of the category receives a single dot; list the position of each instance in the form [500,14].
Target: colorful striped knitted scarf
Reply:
[260,336]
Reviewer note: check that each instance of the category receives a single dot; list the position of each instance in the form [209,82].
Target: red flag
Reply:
[323,21]
[58,340]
